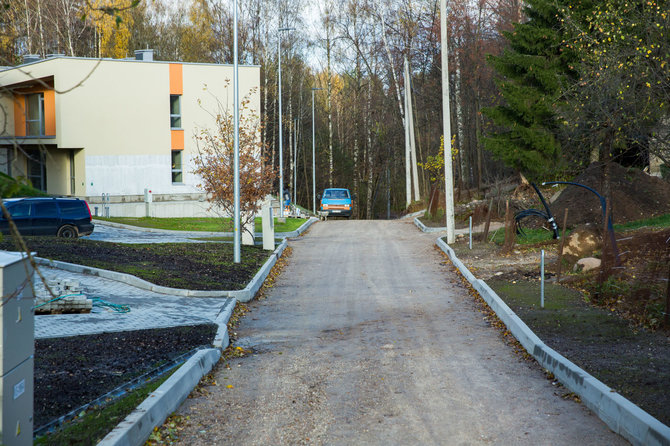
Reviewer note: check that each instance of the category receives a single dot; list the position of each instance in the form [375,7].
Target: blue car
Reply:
[336,202]
[64,217]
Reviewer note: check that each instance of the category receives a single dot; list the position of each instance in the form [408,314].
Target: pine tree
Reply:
[534,71]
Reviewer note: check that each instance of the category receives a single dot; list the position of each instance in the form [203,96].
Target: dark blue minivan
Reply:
[64,217]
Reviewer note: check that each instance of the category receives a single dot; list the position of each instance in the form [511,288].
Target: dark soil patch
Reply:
[632,361]
[73,371]
[635,195]
[196,266]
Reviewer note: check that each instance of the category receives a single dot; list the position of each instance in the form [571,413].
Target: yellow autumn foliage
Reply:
[435,164]
[114,29]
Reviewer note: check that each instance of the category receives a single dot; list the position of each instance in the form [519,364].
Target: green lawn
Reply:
[199,224]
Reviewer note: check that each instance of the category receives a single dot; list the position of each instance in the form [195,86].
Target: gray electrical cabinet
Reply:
[17,347]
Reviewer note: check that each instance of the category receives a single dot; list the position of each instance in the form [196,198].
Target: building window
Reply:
[176,167]
[37,172]
[35,114]
[175,111]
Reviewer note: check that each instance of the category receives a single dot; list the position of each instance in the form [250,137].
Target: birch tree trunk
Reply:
[28,33]
[368,203]
[41,28]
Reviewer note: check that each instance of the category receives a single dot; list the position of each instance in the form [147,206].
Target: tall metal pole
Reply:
[281,155]
[446,117]
[295,161]
[236,158]
[314,154]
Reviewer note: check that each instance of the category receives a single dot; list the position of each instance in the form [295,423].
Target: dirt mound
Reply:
[635,195]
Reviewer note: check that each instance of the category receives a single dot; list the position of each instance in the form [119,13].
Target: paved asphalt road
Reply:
[368,338]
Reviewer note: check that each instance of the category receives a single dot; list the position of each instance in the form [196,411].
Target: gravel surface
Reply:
[367,337]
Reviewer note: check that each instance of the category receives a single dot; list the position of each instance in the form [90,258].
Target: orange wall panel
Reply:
[177,139]
[176,79]
[19,115]
[50,113]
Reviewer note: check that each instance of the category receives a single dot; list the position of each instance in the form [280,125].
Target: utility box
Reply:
[268,227]
[17,347]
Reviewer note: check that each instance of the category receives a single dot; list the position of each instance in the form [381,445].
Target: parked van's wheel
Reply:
[68,231]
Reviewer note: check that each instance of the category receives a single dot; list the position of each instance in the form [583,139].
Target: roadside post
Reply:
[470,226]
[17,347]
[268,227]
[148,199]
[542,279]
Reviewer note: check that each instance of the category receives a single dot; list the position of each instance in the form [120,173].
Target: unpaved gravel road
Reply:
[368,338]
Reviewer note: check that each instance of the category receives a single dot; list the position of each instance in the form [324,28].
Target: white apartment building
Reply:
[117,132]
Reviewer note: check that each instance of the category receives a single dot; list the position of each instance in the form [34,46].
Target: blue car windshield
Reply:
[336,194]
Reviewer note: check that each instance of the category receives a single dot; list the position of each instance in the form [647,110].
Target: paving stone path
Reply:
[147,309]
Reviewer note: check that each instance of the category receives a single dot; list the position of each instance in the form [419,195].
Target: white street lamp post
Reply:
[281,155]
[236,160]
[314,155]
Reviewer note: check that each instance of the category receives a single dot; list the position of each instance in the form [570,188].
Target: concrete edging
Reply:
[413,214]
[135,429]
[425,228]
[112,224]
[221,339]
[252,288]
[621,415]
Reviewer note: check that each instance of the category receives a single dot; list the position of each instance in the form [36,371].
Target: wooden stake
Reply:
[488,221]
[510,235]
[561,246]
[604,257]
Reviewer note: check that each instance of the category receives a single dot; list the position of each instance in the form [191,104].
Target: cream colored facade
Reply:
[107,126]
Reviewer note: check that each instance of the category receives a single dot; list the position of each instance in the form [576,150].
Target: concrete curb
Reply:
[252,288]
[112,224]
[622,416]
[222,340]
[413,214]
[135,429]
[425,228]
[298,231]
[243,295]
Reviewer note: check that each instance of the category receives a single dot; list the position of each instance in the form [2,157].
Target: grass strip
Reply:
[528,237]
[96,423]
[660,221]
[196,224]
